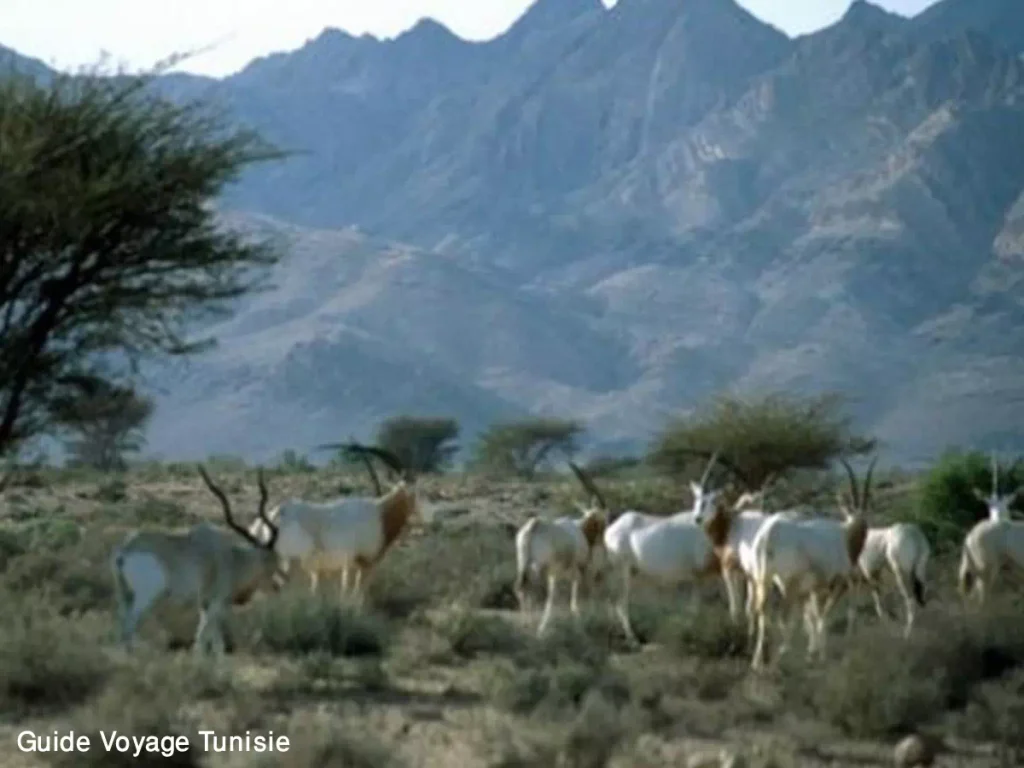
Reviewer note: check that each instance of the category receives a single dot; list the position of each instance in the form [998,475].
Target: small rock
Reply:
[917,749]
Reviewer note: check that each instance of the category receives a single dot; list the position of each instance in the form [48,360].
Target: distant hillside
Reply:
[616,213]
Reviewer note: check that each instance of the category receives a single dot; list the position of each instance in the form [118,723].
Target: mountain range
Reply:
[614,214]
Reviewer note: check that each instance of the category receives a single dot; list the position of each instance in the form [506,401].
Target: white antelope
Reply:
[993,543]
[904,549]
[671,550]
[349,535]
[561,548]
[810,561]
[204,563]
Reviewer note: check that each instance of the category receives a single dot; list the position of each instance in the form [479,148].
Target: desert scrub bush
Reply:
[301,624]
[153,510]
[554,673]
[878,685]
[67,582]
[393,594]
[469,632]
[472,564]
[111,491]
[147,696]
[946,505]
[319,742]
[704,630]
[46,663]
[13,543]
[554,690]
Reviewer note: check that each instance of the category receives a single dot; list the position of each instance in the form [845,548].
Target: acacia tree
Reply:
[104,426]
[761,437]
[108,240]
[422,443]
[521,447]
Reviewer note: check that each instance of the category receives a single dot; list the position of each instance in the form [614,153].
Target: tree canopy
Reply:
[109,244]
[761,437]
[104,425]
[522,447]
[422,443]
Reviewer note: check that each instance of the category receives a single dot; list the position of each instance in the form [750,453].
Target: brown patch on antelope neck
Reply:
[396,508]
[718,525]
[856,536]
[592,528]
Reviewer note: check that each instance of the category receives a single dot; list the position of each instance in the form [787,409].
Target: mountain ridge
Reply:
[614,214]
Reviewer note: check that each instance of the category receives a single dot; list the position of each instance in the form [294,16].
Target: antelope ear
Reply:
[979,495]
[695,488]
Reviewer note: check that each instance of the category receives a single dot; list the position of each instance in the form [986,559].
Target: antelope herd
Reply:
[803,560]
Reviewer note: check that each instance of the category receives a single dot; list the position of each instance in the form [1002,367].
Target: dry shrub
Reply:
[879,684]
[319,742]
[704,630]
[47,663]
[302,624]
[148,696]
[469,633]
[555,674]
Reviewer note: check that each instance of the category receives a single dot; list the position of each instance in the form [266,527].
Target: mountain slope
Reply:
[613,214]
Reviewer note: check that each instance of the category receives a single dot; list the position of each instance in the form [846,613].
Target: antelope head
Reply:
[998,505]
[272,566]
[703,498]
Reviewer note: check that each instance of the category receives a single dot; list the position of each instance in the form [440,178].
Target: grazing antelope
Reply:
[561,548]
[204,563]
[810,561]
[904,548]
[349,535]
[682,547]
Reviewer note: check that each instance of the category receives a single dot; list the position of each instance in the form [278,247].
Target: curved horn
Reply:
[867,482]
[368,463]
[708,468]
[995,475]
[226,506]
[383,454]
[354,449]
[588,485]
[854,491]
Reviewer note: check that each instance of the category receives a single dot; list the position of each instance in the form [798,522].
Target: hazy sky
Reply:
[140,32]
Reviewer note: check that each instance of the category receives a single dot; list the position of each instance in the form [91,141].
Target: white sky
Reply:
[138,33]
